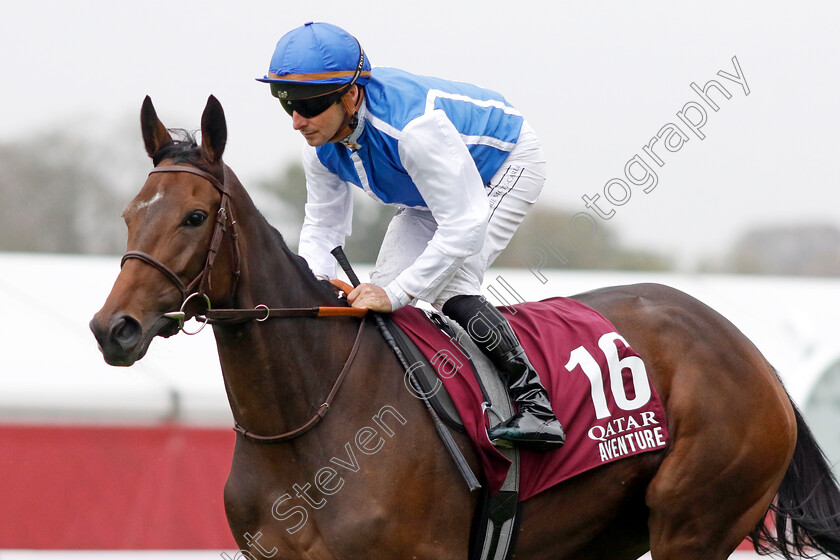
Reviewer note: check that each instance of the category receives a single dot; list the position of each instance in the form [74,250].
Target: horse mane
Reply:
[184,148]
[322,287]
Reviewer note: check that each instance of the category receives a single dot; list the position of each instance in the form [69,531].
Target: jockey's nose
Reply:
[298,121]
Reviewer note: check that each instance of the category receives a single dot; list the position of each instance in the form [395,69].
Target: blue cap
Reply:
[317,56]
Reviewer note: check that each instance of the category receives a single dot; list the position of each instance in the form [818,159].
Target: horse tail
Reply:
[807,506]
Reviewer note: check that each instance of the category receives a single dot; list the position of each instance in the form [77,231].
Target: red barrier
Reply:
[114,488]
[104,488]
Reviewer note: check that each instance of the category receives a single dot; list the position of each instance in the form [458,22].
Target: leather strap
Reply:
[262,313]
[195,171]
[322,410]
[150,260]
[224,215]
[344,131]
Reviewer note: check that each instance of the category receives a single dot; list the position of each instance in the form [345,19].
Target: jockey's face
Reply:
[318,130]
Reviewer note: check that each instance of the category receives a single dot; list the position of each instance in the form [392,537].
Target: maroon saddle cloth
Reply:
[598,386]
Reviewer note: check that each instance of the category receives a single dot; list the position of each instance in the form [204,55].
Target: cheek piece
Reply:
[351,120]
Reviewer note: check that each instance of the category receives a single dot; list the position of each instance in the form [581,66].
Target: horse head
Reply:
[177,225]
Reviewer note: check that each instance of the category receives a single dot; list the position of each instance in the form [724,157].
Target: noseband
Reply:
[225,214]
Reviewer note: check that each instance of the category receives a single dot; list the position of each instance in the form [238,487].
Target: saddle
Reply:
[497,517]
[597,384]
[425,372]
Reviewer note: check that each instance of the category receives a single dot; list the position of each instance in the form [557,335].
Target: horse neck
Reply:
[275,371]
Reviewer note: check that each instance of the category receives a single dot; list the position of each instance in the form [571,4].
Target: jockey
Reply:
[460,164]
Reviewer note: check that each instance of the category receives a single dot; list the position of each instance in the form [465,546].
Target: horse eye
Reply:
[194,219]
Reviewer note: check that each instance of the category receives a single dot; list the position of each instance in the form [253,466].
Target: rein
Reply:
[259,313]
[322,410]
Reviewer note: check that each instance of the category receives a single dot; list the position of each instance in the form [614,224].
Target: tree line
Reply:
[58,198]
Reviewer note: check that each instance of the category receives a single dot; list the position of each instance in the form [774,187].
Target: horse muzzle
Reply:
[122,339]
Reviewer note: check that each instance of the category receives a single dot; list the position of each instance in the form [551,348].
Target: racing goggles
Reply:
[319,102]
[311,107]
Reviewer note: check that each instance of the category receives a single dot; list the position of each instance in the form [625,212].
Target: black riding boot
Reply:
[534,426]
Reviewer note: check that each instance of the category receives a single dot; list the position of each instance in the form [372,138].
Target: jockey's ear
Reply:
[213,130]
[155,135]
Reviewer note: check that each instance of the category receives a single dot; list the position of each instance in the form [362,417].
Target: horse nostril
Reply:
[126,331]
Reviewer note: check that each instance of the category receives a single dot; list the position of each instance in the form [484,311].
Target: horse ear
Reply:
[213,130]
[155,134]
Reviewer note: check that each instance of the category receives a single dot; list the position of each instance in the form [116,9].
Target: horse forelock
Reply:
[183,149]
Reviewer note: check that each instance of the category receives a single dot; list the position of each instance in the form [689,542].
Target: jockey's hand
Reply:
[369,296]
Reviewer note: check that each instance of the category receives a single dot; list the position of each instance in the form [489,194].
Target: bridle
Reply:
[224,220]
[200,287]
[203,280]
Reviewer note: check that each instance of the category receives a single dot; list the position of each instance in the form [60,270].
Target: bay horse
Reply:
[371,479]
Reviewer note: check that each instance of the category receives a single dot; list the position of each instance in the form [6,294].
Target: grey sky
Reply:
[597,80]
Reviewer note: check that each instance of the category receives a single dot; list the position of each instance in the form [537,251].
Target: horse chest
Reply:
[342,494]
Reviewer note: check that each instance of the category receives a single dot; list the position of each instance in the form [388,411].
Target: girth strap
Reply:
[497,520]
